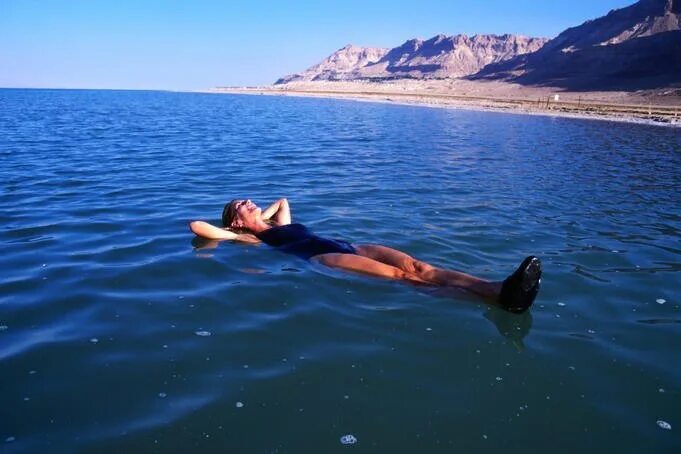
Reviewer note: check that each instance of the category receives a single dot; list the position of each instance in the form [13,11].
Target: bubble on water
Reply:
[3,327]
[499,379]
[33,372]
[348,439]
[162,395]
[664,425]
[9,439]
[561,304]
[203,333]
[590,331]
[484,436]
[660,301]
[94,340]
[239,404]
[661,390]
[346,397]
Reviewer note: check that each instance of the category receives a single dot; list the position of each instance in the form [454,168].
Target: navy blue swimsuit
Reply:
[298,240]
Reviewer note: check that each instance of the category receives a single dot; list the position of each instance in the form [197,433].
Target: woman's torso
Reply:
[299,240]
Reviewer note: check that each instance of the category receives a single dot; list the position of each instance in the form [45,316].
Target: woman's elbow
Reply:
[195,227]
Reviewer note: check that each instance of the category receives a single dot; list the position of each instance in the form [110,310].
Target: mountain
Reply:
[338,64]
[439,57]
[447,56]
[636,47]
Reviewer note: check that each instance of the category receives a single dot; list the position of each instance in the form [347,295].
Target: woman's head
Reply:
[239,212]
[229,213]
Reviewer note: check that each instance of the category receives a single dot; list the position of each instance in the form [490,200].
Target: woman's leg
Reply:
[515,294]
[428,273]
[366,265]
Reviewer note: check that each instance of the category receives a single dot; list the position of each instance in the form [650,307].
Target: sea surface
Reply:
[122,332]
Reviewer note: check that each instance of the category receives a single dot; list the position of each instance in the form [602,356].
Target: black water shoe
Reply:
[520,288]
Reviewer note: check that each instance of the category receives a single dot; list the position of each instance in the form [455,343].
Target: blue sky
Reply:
[198,44]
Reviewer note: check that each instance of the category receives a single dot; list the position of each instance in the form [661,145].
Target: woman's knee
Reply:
[420,267]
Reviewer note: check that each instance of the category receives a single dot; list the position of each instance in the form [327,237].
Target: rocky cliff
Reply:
[437,58]
[338,64]
[636,47]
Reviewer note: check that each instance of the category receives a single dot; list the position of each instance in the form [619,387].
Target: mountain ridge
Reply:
[636,47]
[441,56]
[631,48]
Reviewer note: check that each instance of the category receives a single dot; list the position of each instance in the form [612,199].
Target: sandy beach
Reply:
[659,107]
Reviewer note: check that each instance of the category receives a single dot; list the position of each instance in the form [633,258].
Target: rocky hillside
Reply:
[339,64]
[632,48]
[439,57]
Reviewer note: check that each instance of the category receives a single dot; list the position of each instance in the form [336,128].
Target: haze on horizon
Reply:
[176,45]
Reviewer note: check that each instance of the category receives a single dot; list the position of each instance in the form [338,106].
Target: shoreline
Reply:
[655,115]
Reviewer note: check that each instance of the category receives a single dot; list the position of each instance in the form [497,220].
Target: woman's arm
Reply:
[279,212]
[206,230]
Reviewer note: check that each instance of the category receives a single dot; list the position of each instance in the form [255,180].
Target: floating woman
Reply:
[244,221]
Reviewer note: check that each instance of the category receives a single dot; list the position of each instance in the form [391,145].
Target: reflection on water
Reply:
[513,327]
[103,290]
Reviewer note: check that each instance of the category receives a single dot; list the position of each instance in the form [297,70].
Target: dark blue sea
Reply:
[122,332]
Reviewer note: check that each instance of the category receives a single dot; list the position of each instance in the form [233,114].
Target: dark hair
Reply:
[229,213]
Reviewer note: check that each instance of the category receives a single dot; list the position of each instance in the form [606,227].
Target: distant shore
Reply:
[661,107]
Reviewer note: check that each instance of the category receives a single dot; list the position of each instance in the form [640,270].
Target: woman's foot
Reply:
[519,290]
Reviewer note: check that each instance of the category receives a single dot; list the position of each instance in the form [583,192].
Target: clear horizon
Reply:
[171,45]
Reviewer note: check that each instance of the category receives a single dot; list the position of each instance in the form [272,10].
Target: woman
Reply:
[245,221]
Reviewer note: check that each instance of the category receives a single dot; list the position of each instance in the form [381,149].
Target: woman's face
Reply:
[246,213]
